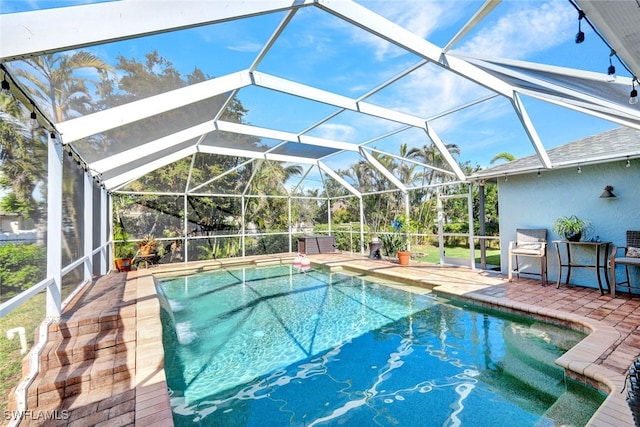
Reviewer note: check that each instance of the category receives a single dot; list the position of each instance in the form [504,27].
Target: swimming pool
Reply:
[276,346]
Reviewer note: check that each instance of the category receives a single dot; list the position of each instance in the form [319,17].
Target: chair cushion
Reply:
[520,251]
[532,246]
[628,260]
[633,252]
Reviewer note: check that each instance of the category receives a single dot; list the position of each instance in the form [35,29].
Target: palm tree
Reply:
[55,82]
[430,155]
[269,176]
[406,170]
[10,107]
[503,156]
[22,159]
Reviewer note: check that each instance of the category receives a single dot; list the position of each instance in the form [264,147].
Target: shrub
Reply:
[23,265]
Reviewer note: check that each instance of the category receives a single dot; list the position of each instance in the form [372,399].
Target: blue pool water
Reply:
[273,346]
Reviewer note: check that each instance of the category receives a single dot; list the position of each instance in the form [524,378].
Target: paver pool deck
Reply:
[105,360]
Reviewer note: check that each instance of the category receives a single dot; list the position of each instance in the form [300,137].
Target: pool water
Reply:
[276,346]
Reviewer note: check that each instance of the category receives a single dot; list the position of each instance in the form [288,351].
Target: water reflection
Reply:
[321,348]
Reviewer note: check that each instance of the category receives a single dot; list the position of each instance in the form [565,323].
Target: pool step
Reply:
[569,409]
[532,365]
[84,355]
[90,353]
[71,345]
[54,385]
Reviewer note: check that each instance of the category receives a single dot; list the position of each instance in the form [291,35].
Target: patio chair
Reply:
[530,243]
[630,257]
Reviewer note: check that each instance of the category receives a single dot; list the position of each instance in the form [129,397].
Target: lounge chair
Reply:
[630,257]
[529,243]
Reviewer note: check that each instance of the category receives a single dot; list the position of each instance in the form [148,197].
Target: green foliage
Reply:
[11,203]
[153,75]
[457,227]
[492,228]
[122,248]
[392,243]
[397,239]
[568,226]
[23,160]
[347,235]
[343,216]
[23,265]
[507,157]
[268,244]
[218,247]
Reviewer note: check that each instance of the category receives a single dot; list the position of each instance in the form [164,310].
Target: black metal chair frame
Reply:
[633,240]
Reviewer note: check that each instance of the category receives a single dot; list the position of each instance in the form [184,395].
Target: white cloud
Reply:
[335,132]
[527,29]
[531,28]
[416,16]
[431,90]
[246,46]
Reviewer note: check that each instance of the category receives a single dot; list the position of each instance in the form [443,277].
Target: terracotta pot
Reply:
[123,264]
[146,250]
[404,257]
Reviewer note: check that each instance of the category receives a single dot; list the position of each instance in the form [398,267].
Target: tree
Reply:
[22,157]
[306,209]
[55,82]
[266,212]
[154,75]
[22,160]
[503,156]
[431,156]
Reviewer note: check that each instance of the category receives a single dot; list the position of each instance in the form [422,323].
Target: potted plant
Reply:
[123,250]
[397,242]
[147,245]
[571,227]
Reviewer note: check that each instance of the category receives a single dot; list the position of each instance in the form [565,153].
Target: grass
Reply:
[432,253]
[29,315]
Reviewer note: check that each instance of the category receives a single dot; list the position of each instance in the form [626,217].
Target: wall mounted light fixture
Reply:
[633,96]
[580,34]
[611,71]
[607,193]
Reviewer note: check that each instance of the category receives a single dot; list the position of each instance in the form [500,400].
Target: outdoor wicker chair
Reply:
[529,243]
[630,257]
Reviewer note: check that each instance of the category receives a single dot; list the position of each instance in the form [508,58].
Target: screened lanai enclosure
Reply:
[224,128]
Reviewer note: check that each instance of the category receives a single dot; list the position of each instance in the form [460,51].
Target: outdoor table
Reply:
[597,265]
[147,259]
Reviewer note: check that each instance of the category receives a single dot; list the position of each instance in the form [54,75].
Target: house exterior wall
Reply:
[532,201]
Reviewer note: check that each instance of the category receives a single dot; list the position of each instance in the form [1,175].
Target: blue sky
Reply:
[323,51]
